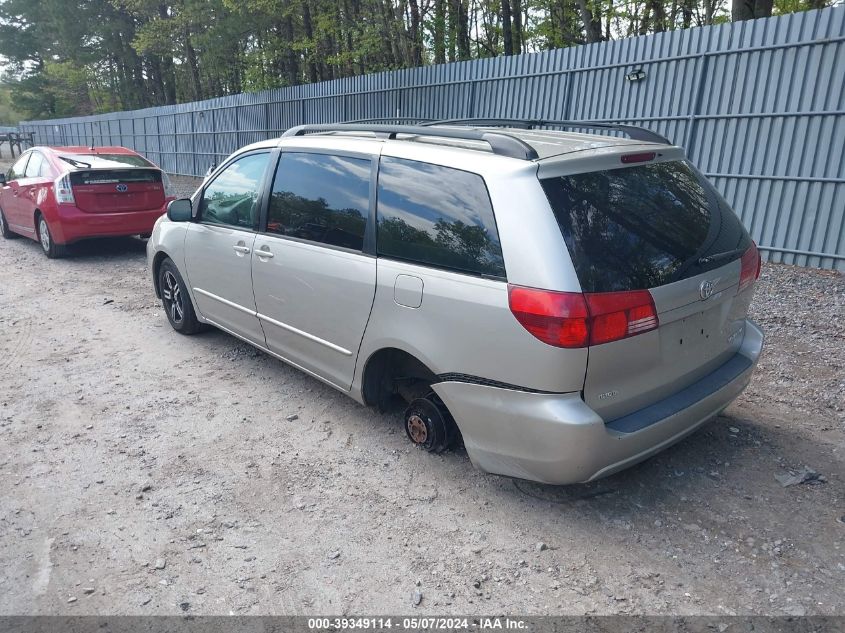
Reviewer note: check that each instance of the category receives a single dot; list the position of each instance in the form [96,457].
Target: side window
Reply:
[321,198]
[437,216]
[18,170]
[232,197]
[46,169]
[33,168]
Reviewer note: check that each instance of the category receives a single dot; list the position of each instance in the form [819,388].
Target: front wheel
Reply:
[176,301]
[45,238]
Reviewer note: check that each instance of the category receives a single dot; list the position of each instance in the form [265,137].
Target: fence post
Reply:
[213,138]
[695,110]
[237,109]
[158,142]
[567,96]
[266,120]
[193,144]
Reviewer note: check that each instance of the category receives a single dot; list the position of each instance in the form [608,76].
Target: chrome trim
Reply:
[310,337]
[231,304]
[284,326]
[278,356]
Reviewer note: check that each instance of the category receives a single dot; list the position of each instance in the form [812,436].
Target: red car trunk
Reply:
[117,190]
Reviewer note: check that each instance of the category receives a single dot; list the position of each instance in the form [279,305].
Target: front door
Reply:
[218,247]
[314,286]
[34,189]
[11,200]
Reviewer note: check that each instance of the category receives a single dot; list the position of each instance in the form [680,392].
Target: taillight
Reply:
[573,319]
[556,318]
[750,264]
[169,191]
[64,192]
[618,315]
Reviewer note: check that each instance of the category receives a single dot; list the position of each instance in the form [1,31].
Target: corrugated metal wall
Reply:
[759,106]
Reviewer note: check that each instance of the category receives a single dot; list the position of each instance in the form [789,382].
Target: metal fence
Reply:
[758,105]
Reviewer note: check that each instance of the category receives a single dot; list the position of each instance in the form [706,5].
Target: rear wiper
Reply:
[719,256]
[75,163]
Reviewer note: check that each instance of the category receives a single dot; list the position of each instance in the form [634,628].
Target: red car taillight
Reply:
[573,319]
[750,264]
[63,189]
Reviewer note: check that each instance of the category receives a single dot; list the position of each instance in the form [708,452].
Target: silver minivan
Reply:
[567,304]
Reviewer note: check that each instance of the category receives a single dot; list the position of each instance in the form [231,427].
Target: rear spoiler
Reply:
[608,157]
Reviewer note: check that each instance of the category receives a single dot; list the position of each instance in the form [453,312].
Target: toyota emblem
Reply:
[121,188]
[705,289]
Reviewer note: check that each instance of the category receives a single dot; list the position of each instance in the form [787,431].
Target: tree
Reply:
[72,57]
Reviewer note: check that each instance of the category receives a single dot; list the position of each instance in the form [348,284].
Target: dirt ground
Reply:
[149,473]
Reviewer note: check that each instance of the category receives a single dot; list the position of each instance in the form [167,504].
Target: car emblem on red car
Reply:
[121,188]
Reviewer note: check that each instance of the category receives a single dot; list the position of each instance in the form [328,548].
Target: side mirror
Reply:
[2,179]
[180,210]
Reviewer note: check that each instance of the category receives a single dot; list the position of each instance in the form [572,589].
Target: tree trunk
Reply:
[517,27]
[686,13]
[462,29]
[658,16]
[439,31]
[292,70]
[193,64]
[750,9]
[415,34]
[592,22]
[310,53]
[506,27]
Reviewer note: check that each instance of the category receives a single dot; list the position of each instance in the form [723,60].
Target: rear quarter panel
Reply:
[464,326]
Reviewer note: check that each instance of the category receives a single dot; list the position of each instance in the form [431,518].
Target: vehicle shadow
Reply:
[107,247]
[725,469]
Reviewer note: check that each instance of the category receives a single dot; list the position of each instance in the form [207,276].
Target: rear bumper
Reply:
[558,439]
[71,224]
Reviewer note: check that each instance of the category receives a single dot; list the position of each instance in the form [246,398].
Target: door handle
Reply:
[241,249]
[263,253]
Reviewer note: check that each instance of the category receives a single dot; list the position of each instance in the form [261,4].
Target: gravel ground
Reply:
[150,473]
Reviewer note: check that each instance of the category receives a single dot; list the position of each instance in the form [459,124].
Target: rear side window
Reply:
[644,226]
[33,168]
[321,198]
[437,216]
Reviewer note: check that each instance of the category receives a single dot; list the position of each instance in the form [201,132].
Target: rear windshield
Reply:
[126,159]
[644,226]
[113,176]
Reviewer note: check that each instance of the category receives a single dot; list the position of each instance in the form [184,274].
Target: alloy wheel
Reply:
[172,296]
[44,235]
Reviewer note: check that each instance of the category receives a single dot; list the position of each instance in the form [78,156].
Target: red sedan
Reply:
[60,195]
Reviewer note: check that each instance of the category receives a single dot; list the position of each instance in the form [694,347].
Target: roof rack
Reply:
[634,132]
[500,143]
